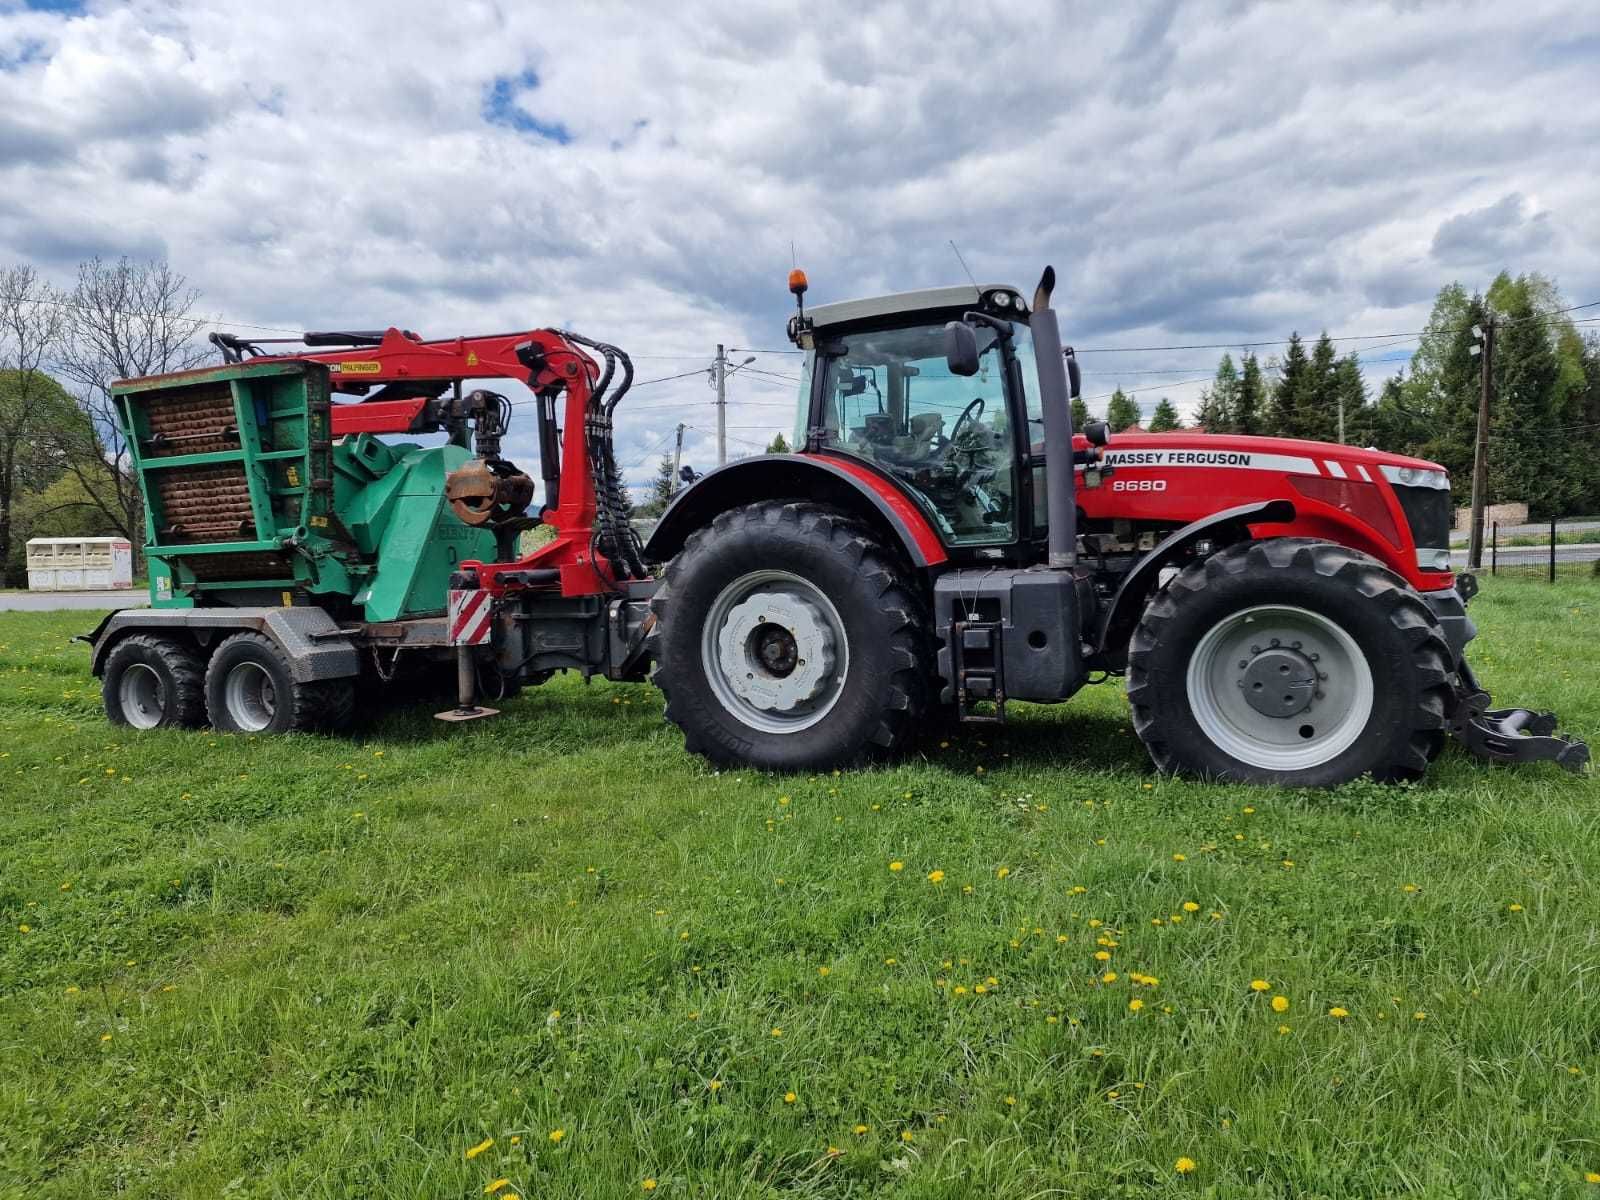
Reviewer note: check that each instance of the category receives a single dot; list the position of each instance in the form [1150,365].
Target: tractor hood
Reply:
[1290,455]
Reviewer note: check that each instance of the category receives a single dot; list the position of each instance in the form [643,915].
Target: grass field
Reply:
[242,967]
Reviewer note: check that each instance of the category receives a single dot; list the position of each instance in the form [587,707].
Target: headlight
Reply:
[1416,476]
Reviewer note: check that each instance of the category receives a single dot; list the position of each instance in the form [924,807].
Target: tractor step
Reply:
[979,671]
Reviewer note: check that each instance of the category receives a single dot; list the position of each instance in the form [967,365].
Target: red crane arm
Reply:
[541,358]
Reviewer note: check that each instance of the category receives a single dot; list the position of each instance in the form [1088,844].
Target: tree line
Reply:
[64,466]
[1544,432]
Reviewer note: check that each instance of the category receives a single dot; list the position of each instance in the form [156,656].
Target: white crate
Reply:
[65,564]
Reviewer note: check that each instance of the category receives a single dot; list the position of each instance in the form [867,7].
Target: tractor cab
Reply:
[959,437]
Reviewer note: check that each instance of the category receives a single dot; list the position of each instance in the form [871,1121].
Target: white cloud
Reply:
[1199,173]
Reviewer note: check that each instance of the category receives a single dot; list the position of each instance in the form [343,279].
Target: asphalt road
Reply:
[59,601]
[1530,556]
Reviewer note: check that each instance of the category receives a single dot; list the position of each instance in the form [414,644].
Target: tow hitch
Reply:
[1510,734]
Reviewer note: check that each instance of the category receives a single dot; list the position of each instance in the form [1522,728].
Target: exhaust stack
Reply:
[1055,398]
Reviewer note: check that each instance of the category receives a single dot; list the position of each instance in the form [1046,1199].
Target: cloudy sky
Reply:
[1218,172]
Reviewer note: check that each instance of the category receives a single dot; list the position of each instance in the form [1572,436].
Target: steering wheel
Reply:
[971,412]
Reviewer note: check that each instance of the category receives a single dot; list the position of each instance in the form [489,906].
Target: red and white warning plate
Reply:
[471,616]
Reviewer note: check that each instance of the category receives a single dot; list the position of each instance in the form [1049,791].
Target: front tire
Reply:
[250,688]
[154,682]
[1292,662]
[787,639]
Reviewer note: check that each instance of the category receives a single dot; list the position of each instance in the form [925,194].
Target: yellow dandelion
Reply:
[474,1151]
[1408,888]
[1419,1015]
[105,1037]
[907,1136]
[72,989]
[649,1185]
[1109,977]
[494,1186]
[897,865]
[1183,1166]
[1060,937]
[1283,1029]
[1135,1005]
[777,1031]
[790,1097]
[1189,906]
[715,1085]
[861,1129]
[1280,1004]
[1513,908]
[1002,872]
[959,990]
[1102,955]
[1259,985]
[24,929]
[557,1134]
[824,971]
[1591,1177]
[935,876]
[1180,858]
[979,990]
[1337,1013]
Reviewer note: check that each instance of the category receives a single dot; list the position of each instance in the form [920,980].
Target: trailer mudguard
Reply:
[851,486]
[317,648]
[1230,524]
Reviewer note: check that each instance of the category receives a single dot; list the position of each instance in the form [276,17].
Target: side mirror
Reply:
[1074,376]
[1098,433]
[687,474]
[961,348]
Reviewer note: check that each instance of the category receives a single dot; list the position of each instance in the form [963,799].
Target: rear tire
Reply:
[787,639]
[1292,662]
[154,682]
[250,688]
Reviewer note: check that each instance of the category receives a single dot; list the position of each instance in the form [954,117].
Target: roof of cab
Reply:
[848,311]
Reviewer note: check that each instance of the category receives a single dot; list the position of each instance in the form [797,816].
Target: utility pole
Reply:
[1480,458]
[677,457]
[722,405]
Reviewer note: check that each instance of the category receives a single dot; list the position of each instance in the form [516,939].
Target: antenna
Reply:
[964,266]
[794,259]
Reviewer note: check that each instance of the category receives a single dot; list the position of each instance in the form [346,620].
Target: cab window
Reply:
[889,398]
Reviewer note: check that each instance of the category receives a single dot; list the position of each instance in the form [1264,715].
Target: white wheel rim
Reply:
[142,695]
[1280,688]
[774,650]
[251,697]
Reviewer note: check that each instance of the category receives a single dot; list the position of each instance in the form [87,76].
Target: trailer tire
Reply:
[250,688]
[1367,664]
[741,686]
[154,682]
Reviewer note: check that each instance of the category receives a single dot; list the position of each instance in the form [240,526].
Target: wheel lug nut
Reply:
[1322,675]
[1255,649]
[1275,643]
[1315,657]
[1294,645]
[1243,663]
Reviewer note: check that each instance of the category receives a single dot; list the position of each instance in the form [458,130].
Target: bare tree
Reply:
[31,328]
[124,320]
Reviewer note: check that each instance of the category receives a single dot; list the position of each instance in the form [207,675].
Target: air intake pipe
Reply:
[1055,398]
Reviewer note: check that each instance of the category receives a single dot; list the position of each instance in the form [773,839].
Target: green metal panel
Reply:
[360,520]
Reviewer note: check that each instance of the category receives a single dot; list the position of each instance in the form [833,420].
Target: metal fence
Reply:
[1565,550]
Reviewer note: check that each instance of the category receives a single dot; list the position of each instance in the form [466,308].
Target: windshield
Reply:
[890,399]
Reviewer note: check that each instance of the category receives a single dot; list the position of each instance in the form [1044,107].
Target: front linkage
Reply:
[1508,735]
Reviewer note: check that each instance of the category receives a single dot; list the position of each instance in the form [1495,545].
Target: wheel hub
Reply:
[776,650]
[1278,681]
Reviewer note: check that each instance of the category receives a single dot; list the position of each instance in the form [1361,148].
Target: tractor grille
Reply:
[197,420]
[1428,513]
[205,504]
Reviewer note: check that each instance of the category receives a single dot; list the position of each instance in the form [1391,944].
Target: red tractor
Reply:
[942,540]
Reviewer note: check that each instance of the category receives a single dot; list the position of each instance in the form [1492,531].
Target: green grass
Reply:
[326,968]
